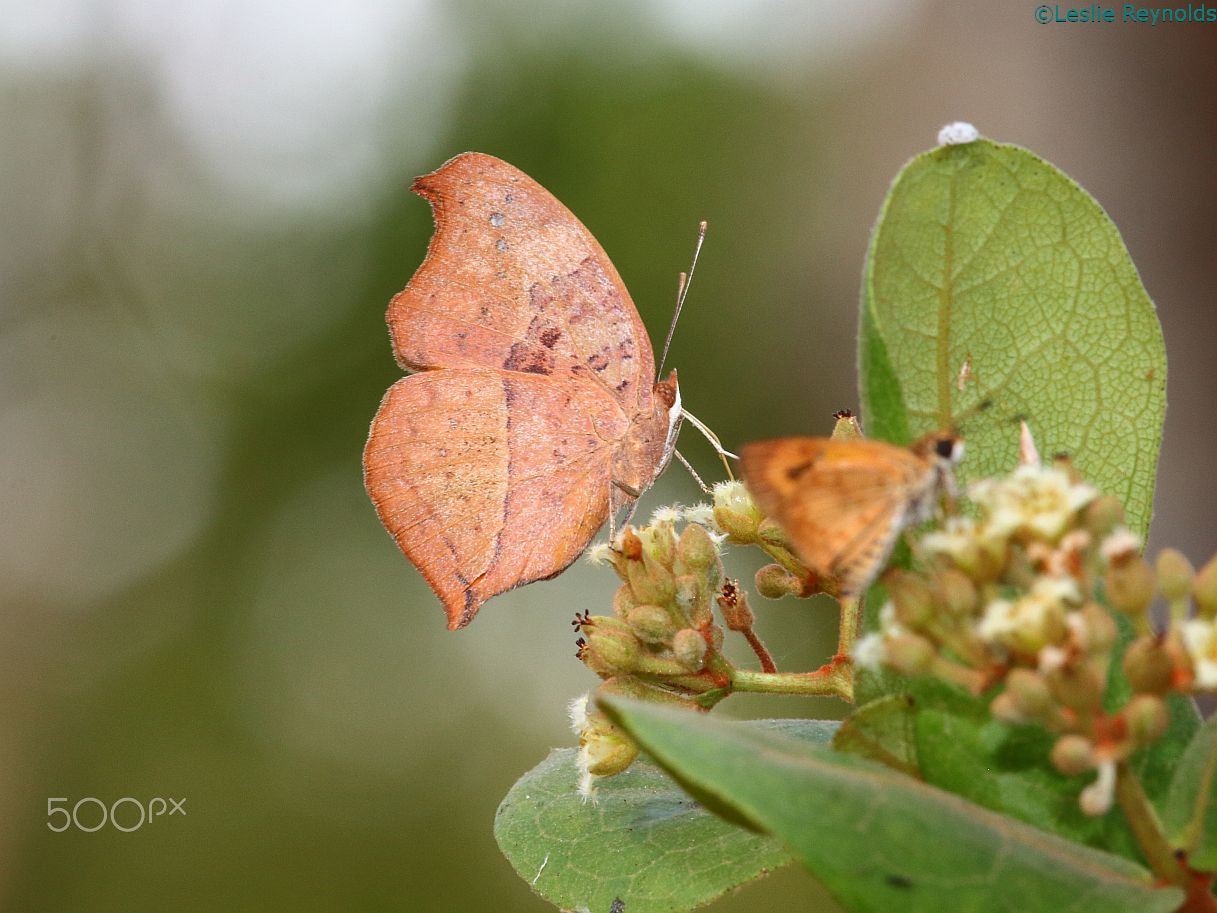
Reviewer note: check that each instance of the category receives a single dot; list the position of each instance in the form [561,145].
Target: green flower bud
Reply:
[611,647]
[659,543]
[847,428]
[1175,575]
[1130,585]
[1147,718]
[604,749]
[1102,515]
[1073,755]
[696,551]
[1149,665]
[1204,589]
[1078,686]
[911,596]
[689,649]
[771,533]
[773,582]
[954,591]
[1100,630]
[652,624]
[1030,694]
[651,582]
[693,598]
[909,654]
[623,601]
[735,513]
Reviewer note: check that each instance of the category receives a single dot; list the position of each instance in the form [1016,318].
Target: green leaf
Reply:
[883,730]
[880,841]
[643,840]
[1190,815]
[987,251]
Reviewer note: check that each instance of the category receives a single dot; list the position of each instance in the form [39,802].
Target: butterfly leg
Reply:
[696,478]
[621,496]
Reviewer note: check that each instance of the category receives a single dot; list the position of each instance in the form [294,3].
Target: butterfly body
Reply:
[845,502]
[534,412]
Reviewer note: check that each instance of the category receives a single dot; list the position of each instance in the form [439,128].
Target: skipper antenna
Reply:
[682,292]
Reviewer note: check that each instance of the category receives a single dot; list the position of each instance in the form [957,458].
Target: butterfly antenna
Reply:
[682,292]
[710,436]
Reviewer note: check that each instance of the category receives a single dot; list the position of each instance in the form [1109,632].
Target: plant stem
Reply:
[834,679]
[767,663]
[1147,828]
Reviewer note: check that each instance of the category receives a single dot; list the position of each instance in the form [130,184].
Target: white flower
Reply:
[1200,640]
[957,133]
[587,779]
[889,624]
[1096,799]
[600,553]
[870,652]
[576,711]
[1120,543]
[1038,501]
[702,514]
[1033,621]
[670,513]
[733,496]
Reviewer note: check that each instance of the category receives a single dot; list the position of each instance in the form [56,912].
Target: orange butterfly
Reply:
[845,502]
[535,413]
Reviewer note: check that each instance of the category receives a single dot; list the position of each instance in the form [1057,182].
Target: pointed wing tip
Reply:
[461,609]
[429,185]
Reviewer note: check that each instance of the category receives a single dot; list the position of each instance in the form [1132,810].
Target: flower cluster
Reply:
[660,644]
[1008,596]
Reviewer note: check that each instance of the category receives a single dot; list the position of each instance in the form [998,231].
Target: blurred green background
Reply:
[204,212]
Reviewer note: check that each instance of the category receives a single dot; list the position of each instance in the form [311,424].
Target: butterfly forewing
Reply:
[513,280]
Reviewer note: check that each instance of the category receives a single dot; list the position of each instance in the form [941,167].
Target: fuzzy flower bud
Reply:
[955,592]
[659,543]
[1078,686]
[1130,584]
[689,649]
[1204,589]
[611,647]
[652,624]
[909,654]
[773,582]
[911,596]
[735,513]
[1029,694]
[1149,666]
[1094,630]
[770,533]
[1103,515]
[847,428]
[650,582]
[1175,575]
[1147,718]
[1073,755]
[623,601]
[696,551]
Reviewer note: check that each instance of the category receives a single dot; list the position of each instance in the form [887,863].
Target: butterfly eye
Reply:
[949,448]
